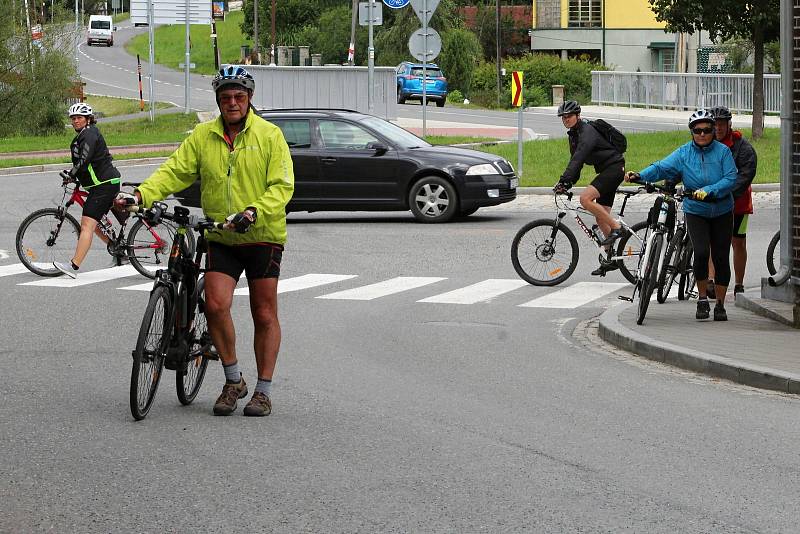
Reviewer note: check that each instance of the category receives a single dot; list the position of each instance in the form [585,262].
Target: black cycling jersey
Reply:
[91,161]
[586,145]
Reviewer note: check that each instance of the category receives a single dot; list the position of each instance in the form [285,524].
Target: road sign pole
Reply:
[519,143]
[425,70]
[187,60]
[371,63]
[151,17]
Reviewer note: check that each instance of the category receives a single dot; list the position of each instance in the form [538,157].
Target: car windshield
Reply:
[430,73]
[394,133]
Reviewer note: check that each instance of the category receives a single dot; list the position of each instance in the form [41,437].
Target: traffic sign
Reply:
[516,88]
[395,4]
[417,44]
[424,12]
[172,11]
[363,14]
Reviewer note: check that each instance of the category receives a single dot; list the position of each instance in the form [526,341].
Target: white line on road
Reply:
[86,278]
[16,268]
[305,281]
[382,289]
[481,292]
[574,295]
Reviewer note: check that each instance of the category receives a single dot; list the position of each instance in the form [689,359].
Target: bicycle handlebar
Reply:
[181,216]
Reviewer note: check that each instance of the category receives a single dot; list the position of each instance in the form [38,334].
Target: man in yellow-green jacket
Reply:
[246,177]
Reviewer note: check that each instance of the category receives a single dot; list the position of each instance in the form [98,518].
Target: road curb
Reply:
[59,166]
[610,329]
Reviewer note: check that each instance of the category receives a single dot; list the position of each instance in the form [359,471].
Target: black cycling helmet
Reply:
[721,113]
[570,107]
[701,115]
[233,75]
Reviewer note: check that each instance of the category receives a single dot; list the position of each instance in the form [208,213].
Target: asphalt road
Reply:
[390,414]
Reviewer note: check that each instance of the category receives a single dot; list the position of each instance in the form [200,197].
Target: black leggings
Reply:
[714,234]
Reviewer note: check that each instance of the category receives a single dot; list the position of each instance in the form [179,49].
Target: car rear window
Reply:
[431,73]
[101,25]
[296,132]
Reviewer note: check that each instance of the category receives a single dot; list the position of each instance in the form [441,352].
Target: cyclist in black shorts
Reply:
[587,146]
[92,167]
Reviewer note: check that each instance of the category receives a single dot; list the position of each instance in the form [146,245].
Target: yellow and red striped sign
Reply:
[516,88]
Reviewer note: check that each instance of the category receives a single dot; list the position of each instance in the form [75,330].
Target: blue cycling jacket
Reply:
[710,168]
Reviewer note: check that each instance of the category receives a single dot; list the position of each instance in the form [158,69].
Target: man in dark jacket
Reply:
[744,155]
[588,146]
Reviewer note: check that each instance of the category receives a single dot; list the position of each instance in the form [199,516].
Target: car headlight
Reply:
[486,168]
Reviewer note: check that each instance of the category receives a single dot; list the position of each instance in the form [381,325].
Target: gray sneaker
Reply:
[66,269]
[259,405]
[226,402]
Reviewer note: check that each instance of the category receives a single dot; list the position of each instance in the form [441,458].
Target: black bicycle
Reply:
[677,263]
[174,333]
[774,254]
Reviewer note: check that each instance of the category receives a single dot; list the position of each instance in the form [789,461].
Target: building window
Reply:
[585,13]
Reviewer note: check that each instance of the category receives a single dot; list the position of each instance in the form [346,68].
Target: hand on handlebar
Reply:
[241,222]
[66,177]
[632,176]
[126,200]
[700,194]
[562,187]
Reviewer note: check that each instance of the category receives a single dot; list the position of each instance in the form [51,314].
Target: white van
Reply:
[101,30]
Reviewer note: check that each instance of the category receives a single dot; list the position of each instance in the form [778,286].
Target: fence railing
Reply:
[683,90]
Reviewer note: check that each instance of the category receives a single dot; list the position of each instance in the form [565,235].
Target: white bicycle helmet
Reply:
[701,115]
[81,108]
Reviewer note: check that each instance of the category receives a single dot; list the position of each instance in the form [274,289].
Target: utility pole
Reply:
[272,49]
[371,63]
[77,33]
[351,52]
[187,64]
[255,32]
[497,39]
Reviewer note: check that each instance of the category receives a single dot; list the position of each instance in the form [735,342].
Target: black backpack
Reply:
[610,134]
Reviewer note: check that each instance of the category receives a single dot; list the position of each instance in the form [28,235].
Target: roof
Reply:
[310,112]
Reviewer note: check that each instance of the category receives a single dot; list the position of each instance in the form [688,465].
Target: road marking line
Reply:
[16,268]
[147,286]
[382,289]
[305,281]
[481,292]
[574,296]
[86,278]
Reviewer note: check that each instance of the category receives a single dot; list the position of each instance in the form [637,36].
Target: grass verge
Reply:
[544,161]
[171,48]
[109,106]
[24,162]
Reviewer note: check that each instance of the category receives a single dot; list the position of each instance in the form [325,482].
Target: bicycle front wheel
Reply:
[774,254]
[190,374]
[629,251]
[669,271]
[46,236]
[151,347]
[544,253]
[686,282]
[149,245]
[648,279]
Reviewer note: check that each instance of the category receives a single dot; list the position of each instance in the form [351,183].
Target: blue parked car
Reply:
[409,83]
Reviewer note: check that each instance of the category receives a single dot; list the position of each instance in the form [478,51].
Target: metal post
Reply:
[77,34]
[216,45]
[425,69]
[151,17]
[272,46]
[187,59]
[255,32]
[497,42]
[351,52]
[371,63]
[519,142]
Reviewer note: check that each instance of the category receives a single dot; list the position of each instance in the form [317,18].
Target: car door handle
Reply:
[328,160]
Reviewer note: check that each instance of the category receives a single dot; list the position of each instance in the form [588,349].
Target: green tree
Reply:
[755,20]
[460,55]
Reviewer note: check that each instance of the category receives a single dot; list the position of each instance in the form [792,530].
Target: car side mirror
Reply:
[379,148]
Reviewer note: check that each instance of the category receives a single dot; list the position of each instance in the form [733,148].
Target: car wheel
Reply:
[440,103]
[433,199]
[400,99]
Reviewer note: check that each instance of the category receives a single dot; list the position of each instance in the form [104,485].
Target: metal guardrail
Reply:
[683,90]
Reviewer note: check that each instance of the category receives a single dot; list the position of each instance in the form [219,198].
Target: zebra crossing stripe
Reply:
[382,289]
[16,268]
[306,281]
[481,292]
[139,287]
[86,278]
[575,295]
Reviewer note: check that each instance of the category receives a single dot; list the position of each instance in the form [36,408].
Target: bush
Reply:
[460,53]
[455,96]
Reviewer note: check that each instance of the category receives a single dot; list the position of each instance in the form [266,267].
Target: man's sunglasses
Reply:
[699,131]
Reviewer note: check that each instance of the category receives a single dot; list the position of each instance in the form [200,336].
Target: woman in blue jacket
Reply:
[706,167]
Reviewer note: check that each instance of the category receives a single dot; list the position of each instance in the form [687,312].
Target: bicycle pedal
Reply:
[211,355]
[623,297]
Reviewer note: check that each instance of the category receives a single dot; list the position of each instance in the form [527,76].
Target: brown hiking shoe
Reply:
[259,405]
[226,402]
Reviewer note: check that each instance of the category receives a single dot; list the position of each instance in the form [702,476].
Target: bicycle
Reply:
[660,220]
[174,333]
[774,254]
[677,263]
[545,252]
[51,234]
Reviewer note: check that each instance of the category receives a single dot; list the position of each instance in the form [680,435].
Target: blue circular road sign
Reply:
[396,4]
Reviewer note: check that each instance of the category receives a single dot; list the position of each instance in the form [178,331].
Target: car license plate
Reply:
[513,183]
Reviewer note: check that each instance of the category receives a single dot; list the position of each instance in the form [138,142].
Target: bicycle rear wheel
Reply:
[151,347]
[544,253]
[686,282]
[774,254]
[149,245]
[630,249]
[189,377]
[669,270]
[46,236]
[648,279]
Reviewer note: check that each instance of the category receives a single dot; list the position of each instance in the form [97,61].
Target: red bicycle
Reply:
[51,234]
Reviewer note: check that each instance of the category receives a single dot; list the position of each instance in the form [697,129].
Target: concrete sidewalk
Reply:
[749,348]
